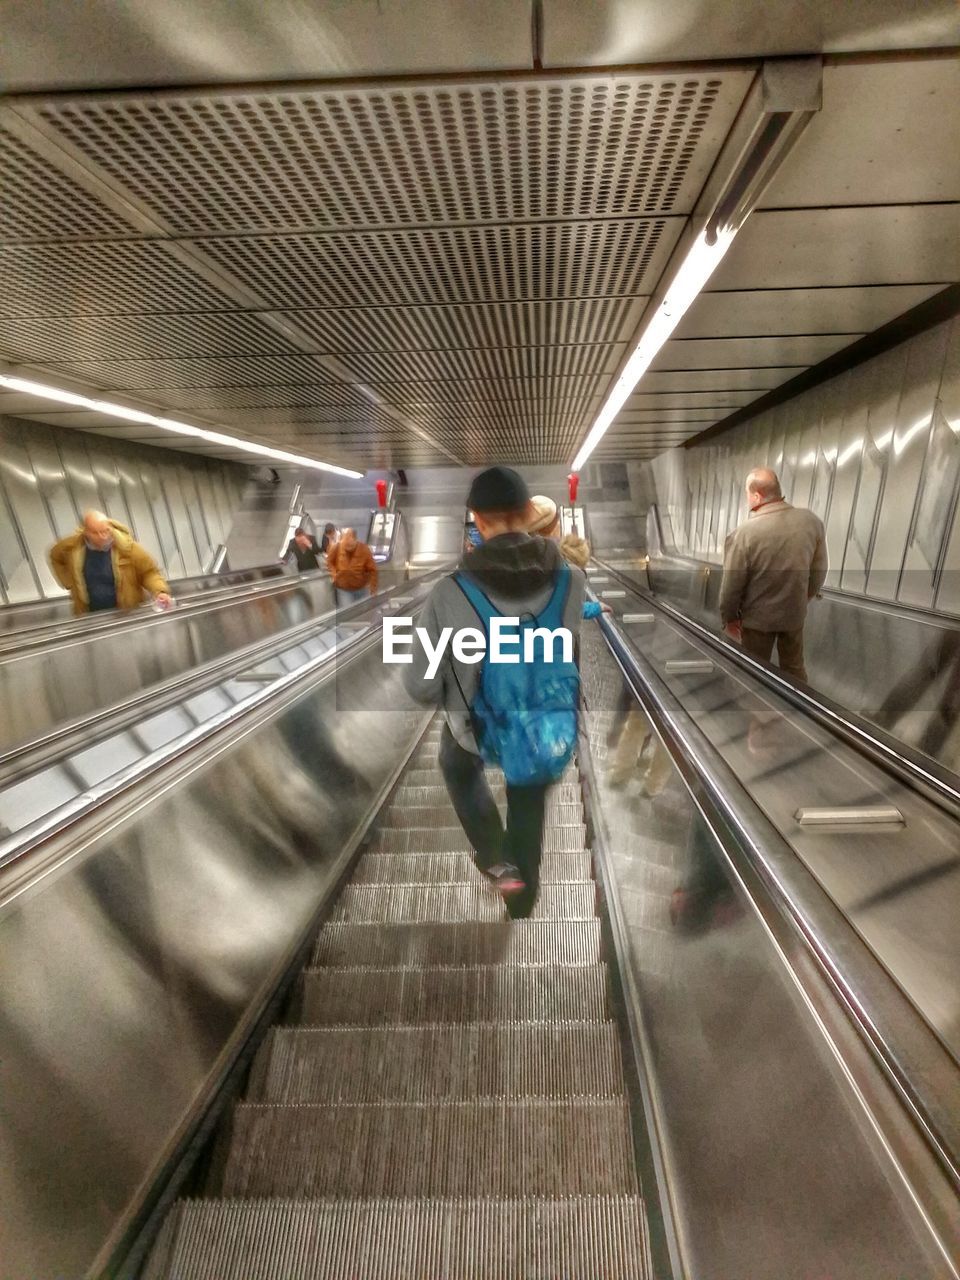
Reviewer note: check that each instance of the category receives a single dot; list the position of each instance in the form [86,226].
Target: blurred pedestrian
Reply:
[773,565]
[104,568]
[352,568]
[304,549]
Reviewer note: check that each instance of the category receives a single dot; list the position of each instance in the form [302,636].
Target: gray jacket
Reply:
[517,573]
[772,565]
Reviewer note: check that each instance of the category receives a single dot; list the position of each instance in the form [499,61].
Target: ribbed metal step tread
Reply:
[590,1238]
[432,794]
[556,839]
[488,1148]
[445,1063]
[442,815]
[421,903]
[424,770]
[483,993]
[513,942]
[459,868]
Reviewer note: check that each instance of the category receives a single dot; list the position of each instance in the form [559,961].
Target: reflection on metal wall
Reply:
[875,452]
[179,506]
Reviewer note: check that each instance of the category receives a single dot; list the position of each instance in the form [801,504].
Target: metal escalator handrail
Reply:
[913,1060]
[231,580]
[88,627]
[63,739]
[22,843]
[909,765]
[255,573]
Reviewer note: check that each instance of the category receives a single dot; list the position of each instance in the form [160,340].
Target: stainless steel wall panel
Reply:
[875,452]
[28,512]
[183,528]
[948,593]
[107,478]
[195,512]
[17,579]
[79,472]
[845,422]
[934,510]
[54,474]
[908,446]
[884,383]
[170,557]
[141,513]
[48,467]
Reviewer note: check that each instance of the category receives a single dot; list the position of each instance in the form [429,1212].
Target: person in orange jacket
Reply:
[352,568]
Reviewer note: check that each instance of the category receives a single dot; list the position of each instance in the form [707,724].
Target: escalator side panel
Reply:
[127,973]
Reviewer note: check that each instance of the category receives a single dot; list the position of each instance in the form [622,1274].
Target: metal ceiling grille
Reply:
[63,339]
[482,391]
[241,371]
[519,363]
[39,203]
[450,264]
[101,279]
[480,325]
[330,395]
[473,255]
[582,148]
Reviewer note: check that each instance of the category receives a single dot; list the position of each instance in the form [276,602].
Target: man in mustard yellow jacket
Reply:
[103,568]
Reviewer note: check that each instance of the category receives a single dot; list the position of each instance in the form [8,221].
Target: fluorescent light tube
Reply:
[169,424]
[694,272]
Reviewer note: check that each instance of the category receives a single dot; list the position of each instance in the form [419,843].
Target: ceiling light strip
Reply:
[786,95]
[29,387]
[694,272]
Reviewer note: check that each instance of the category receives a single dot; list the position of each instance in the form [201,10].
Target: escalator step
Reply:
[487,993]
[477,1148]
[507,942]
[591,1238]
[442,815]
[423,903]
[443,1063]
[436,794]
[568,839]
[458,868]
[424,771]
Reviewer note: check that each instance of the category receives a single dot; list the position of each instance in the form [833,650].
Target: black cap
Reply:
[498,489]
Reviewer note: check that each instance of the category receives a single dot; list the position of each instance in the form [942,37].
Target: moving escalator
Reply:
[263,1018]
[31,616]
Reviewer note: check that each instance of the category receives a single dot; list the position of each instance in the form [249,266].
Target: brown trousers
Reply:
[759,644]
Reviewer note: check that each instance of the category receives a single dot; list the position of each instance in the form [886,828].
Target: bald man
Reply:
[773,565]
[103,568]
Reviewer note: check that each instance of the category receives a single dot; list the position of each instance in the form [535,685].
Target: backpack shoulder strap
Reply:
[552,614]
[477,600]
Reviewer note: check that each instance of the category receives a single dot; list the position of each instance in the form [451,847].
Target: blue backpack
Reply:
[525,714]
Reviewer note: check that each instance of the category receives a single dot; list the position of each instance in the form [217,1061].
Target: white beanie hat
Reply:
[546,513]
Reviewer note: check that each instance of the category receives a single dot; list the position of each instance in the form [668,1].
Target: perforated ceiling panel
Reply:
[483,325]
[240,371]
[450,264]
[101,279]
[66,339]
[598,147]
[39,203]
[437,270]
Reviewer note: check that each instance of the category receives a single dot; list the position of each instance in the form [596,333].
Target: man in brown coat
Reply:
[773,565]
[353,569]
[103,568]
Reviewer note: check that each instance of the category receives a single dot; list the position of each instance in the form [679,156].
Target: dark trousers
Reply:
[759,644]
[520,844]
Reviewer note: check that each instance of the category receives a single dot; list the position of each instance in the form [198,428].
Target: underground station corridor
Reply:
[479,640]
